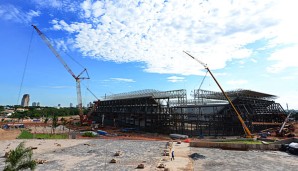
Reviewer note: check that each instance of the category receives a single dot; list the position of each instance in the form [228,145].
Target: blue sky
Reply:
[132,45]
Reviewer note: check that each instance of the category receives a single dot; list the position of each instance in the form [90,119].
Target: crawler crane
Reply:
[78,78]
[245,128]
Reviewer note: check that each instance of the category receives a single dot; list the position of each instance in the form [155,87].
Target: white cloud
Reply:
[175,79]
[123,80]
[284,58]
[156,33]
[61,45]
[253,60]
[65,5]
[15,14]
[289,78]
[237,82]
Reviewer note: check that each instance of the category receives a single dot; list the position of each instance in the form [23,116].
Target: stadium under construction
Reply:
[207,114]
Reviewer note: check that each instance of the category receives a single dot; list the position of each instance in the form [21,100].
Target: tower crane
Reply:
[245,128]
[78,78]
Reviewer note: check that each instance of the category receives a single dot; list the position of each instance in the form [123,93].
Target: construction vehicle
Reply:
[78,78]
[286,130]
[245,128]
[87,118]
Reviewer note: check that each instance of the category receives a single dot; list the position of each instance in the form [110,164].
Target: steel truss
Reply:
[207,115]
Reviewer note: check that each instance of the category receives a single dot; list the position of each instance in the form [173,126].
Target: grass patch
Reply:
[52,136]
[27,135]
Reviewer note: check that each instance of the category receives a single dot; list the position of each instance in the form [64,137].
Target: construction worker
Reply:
[173,157]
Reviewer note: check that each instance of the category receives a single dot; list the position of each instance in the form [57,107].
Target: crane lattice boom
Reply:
[77,78]
[245,128]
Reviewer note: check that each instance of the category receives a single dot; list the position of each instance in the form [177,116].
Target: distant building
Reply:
[34,104]
[25,100]
[37,104]
[70,105]
[90,104]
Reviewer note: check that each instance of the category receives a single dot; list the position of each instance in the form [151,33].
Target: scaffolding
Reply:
[208,114]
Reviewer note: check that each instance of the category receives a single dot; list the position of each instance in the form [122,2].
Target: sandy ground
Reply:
[74,154]
[95,154]
[9,134]
[227,160]
[181,160]
[78,154]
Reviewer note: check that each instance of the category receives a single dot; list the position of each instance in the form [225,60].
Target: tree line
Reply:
[46,112]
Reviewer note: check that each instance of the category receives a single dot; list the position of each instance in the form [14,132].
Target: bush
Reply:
[88,134]
[20,159]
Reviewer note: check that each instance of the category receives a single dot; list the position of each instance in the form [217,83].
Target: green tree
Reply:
[20,159]
[1,108]
[54,122]
[46,120]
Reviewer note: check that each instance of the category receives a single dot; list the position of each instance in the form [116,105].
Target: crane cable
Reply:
[73,59]
[25,67]
[87,86]
[203,80]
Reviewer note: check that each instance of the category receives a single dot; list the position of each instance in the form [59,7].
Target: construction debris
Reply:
[141,166]
[113,161]
[40,161]
[161,165]
[196,156]
[57,144]
[118,153]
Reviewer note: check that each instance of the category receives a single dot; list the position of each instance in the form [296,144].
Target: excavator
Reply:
[78,78]
[245,128]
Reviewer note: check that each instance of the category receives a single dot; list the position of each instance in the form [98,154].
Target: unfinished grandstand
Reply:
[206,114]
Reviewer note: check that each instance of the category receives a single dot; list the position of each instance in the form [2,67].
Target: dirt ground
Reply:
[86,154]
[9,134]
[213,159]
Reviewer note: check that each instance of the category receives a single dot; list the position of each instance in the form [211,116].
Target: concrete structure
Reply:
[25,100]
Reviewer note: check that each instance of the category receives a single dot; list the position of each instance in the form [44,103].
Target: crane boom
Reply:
[77,78]
[45,39]
[245,128]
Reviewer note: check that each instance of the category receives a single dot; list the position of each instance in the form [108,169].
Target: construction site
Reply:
[208,114]
[157,122]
